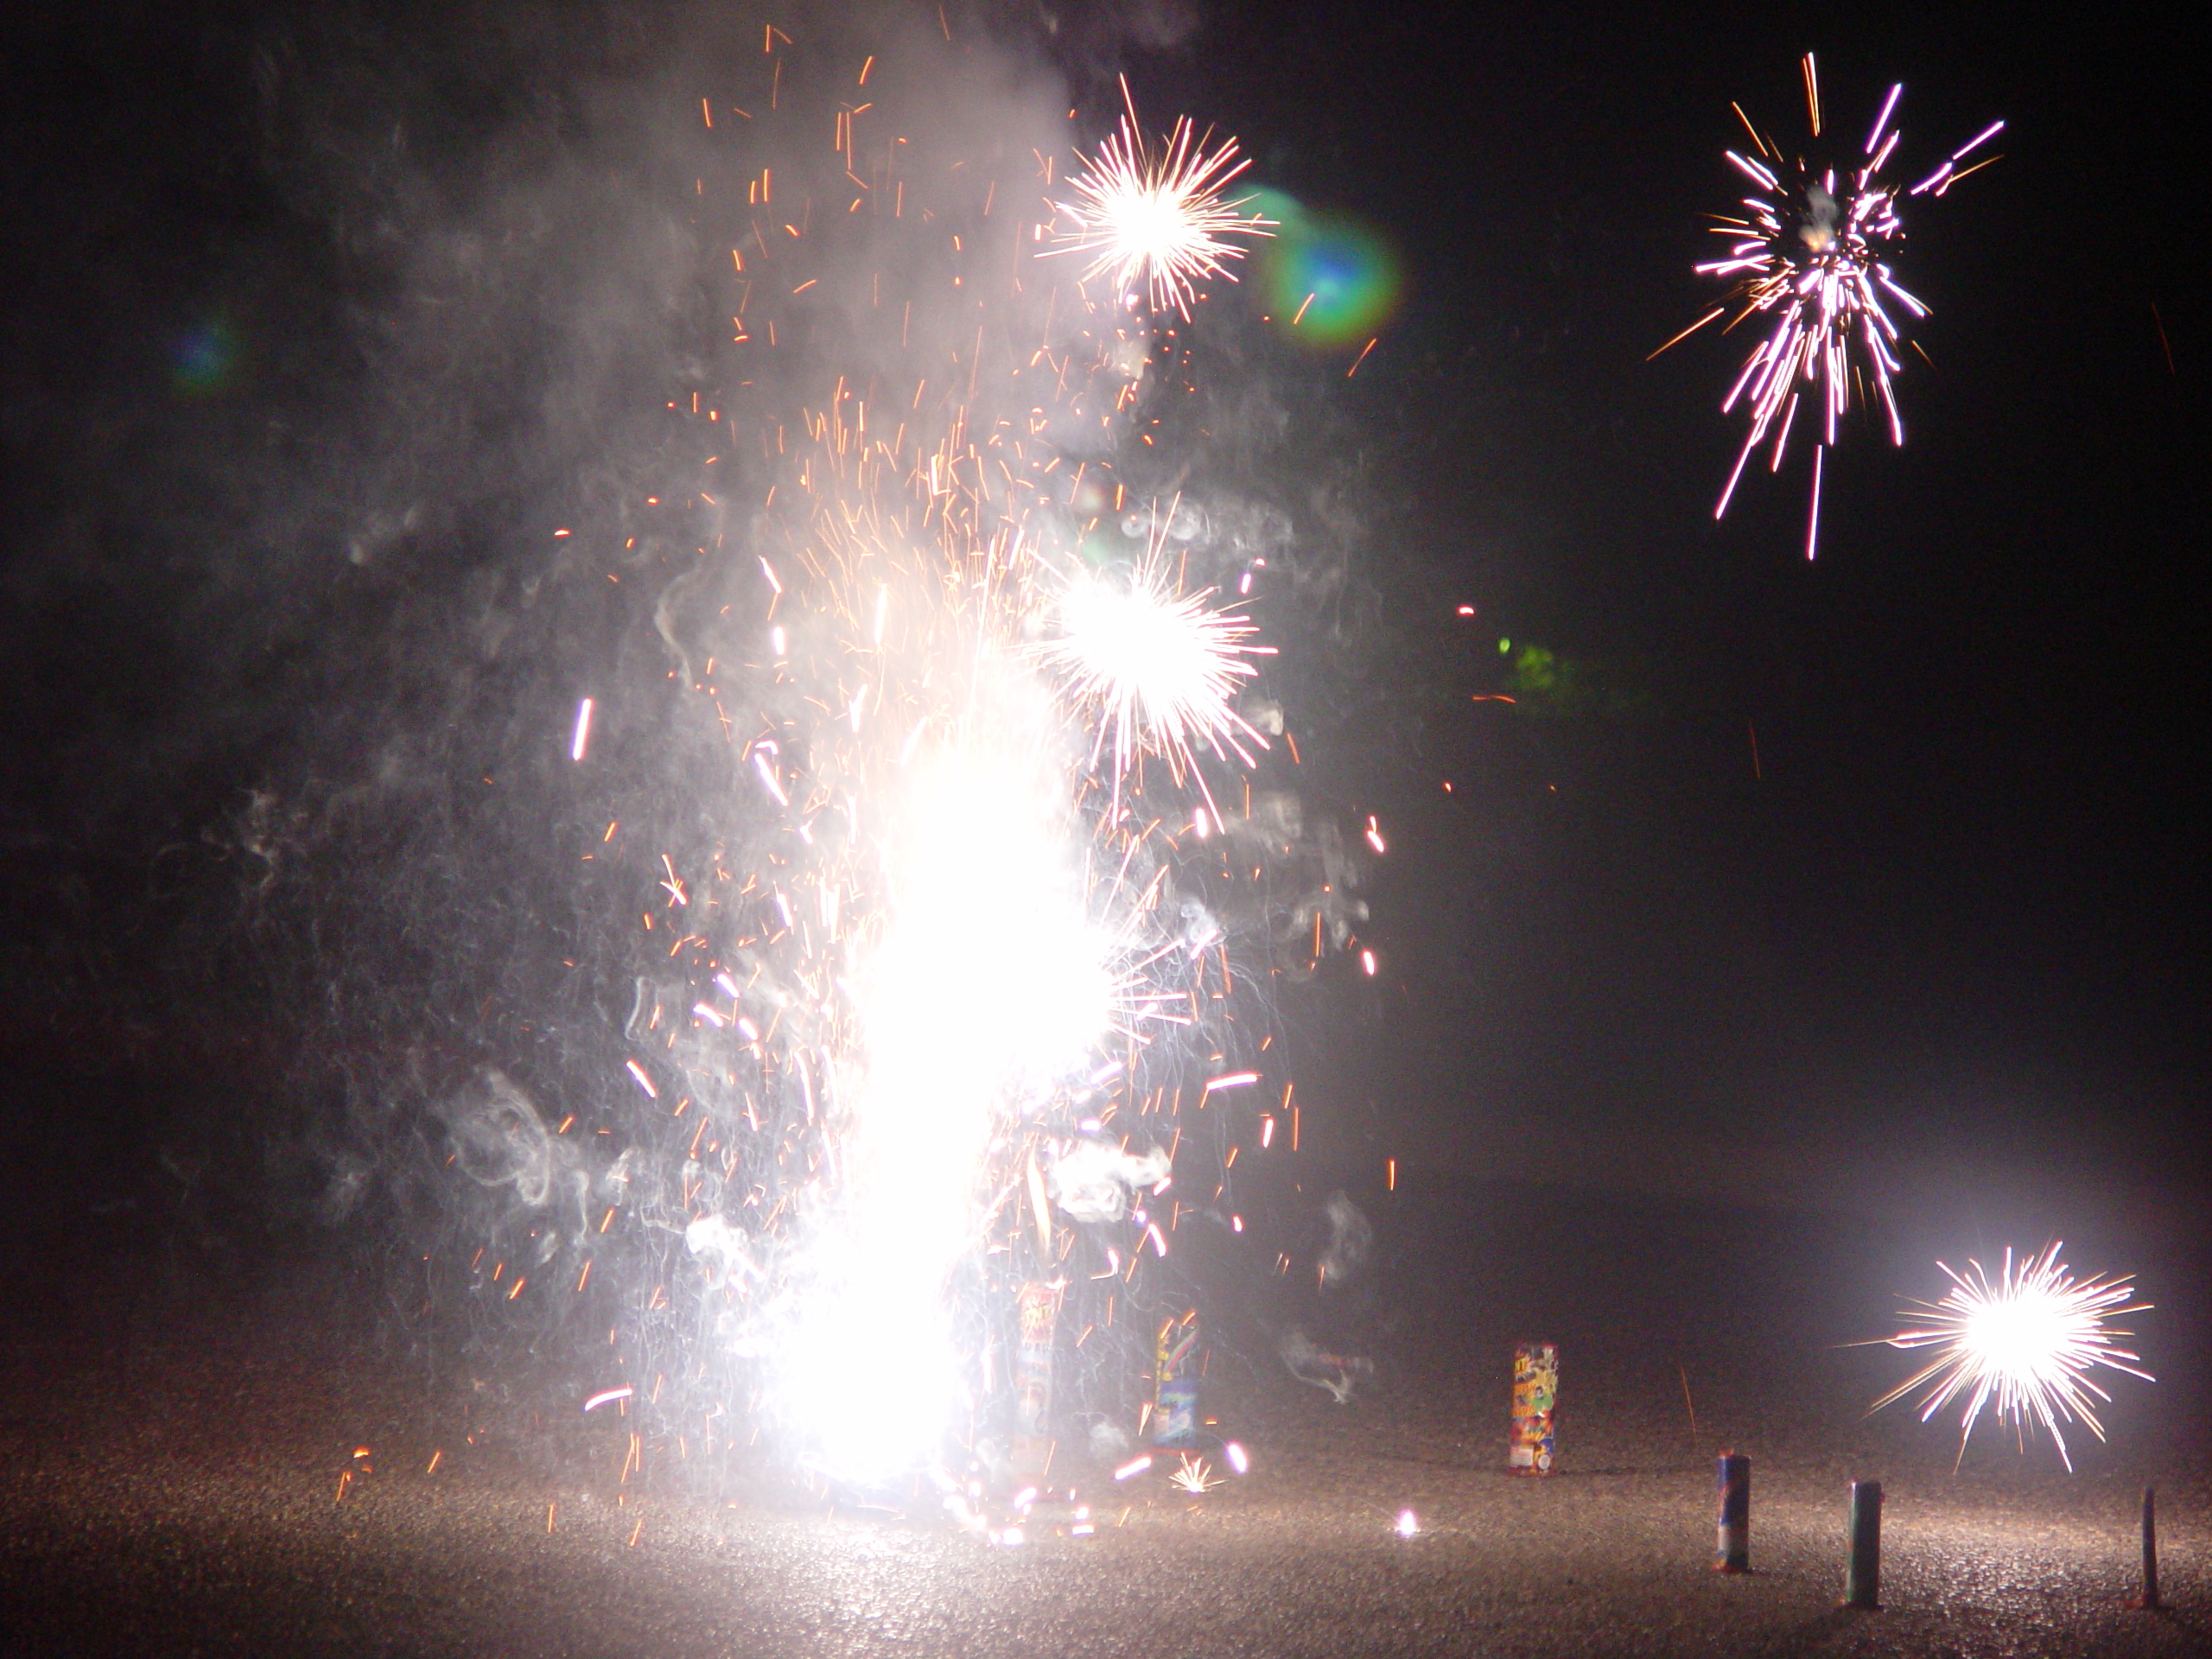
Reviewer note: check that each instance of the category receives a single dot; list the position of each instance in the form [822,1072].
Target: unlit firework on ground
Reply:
[1731,1551]
[1536,1396]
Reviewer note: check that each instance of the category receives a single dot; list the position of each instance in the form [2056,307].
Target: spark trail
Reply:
[1810,251]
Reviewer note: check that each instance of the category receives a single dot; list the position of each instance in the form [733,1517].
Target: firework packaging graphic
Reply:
[1535,1397]
[1038,1310]
[1175,1382]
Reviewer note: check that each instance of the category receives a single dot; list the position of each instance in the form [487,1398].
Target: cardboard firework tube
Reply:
[1175,1384]
[1732,1549]
[1535,1445]
[1862,1579]
[2150,1600]
[1038,1309]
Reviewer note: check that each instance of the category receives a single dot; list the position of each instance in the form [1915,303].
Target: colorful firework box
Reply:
[1175,1384]
[1037,1309]
[1535,1396]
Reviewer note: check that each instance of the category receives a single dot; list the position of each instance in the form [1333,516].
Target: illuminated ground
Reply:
[170,1474]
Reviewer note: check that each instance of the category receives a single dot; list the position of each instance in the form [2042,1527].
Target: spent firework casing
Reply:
[1535,1397]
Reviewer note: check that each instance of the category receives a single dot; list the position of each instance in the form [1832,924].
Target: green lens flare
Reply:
[204,358]
[1331,280]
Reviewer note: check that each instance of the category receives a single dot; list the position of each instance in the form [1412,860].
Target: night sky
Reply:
[1947,921]
[1954,911]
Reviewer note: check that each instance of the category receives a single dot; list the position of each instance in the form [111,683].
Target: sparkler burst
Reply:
[1154,668]
[1159,216]
[1194,1476]
[2024,1343]
[1811,253]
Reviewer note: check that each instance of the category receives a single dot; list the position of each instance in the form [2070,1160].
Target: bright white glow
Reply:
[583,731]
[2026,1343]
[607,1397]
[1158,668]
[1237,1460]
[1409,1523]
[985,986]
[1133,1467]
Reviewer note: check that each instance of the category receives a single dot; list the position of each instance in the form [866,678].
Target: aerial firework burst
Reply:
[2025,1344]
[1158,218]
[1811,253]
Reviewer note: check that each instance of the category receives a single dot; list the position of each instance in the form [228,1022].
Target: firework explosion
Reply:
[2025,1345]
[1813,256]
[1157,219]
[943,945]
[1154,668]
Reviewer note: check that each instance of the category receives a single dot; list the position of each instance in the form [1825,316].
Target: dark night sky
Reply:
[1961,902]
[1963,894]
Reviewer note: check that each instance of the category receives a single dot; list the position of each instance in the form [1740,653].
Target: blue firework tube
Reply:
[1175,1384]
[1732,1550]
[1862,1579]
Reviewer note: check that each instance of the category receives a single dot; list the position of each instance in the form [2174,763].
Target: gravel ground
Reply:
[180,1477]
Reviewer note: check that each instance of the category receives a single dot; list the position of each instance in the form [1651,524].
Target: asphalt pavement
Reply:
[199,1472]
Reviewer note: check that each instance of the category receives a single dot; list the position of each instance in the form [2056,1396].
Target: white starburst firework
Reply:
[1154,668]
[2025,1343]
[1159,218]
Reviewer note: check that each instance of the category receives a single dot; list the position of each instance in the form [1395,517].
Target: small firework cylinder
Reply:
[1536,1396]
[1038,1310]
[2149,1600]
[1862,1577]
[1175,1384]
[1732,1549]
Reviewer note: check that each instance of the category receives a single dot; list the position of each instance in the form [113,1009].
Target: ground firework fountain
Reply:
[949,924]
